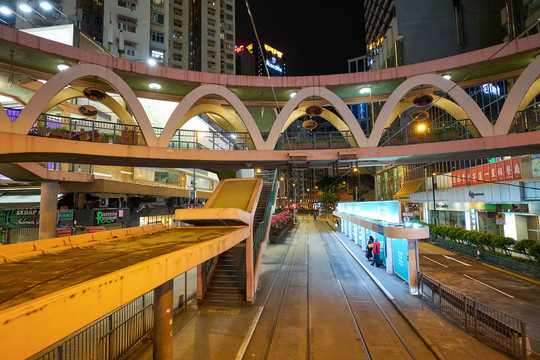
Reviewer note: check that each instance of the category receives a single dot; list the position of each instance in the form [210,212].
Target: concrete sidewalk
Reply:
[446,339]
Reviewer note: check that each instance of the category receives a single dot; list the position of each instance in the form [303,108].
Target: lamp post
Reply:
[433,186]
[7,11]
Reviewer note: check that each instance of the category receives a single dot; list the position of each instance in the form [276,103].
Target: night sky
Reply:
[317,36]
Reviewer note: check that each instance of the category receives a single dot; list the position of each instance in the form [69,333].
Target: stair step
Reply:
[223,296]
[226,290]
[225,303]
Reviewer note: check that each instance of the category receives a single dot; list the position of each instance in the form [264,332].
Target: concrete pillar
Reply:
[48,210]
[245,173]
[414,265]
[81,201]
[250,293]
[163,321]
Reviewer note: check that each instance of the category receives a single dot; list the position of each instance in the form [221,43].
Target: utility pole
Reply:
[433,186]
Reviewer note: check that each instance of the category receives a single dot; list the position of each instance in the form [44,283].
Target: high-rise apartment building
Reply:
[403,32]
[186,34]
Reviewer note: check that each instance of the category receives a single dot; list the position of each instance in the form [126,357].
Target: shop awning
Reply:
[407,189]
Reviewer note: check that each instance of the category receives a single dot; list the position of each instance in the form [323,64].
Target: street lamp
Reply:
[433,186]
[47,6]
[7,11]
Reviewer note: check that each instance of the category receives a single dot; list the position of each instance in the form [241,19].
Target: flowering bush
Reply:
[280,220]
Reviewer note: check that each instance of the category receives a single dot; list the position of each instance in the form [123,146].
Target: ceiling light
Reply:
[151,62]
[45,5]
[5,10]
[293,94]
[25,8]
[447,77]
[365,90]
[62,67]
[154,86]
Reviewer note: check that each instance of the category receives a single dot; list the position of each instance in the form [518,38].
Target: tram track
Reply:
[312,320]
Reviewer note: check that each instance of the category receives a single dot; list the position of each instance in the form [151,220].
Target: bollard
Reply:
[478,255]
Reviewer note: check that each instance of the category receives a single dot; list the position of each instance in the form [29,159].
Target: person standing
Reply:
[369,250]
[314,217]
[376,253]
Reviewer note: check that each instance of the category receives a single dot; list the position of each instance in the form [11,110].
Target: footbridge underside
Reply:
[24,148]
[51,288]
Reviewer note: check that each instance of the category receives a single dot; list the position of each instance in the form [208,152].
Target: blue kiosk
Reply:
[382,220]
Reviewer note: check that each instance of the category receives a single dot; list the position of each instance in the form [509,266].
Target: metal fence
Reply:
[109,337]
[503,331]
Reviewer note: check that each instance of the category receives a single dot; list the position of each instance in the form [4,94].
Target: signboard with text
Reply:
[102,217]
[63,232]
[504,170]
[19,218]
[401,260]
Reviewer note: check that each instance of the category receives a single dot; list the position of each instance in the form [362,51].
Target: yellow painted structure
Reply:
[71,282]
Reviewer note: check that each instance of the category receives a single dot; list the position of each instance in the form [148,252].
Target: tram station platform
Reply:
[227,332]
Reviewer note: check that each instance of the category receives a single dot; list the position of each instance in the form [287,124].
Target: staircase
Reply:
[228,284]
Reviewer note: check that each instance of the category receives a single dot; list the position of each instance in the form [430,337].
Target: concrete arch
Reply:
[4,119]
[213,109]
[326,114]
[52,87]
[458,94]
[522,90]
[76,93]
[190,99]
[329,96]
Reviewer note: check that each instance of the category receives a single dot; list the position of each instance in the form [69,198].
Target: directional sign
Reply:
[500,220]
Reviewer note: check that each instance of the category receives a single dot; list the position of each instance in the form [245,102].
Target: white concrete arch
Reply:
[190,99]
[48,91]
[214,109]
[334,100]
[517,96]
[458,94]
[4,119]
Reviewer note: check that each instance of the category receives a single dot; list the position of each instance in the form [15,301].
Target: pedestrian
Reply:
[376,253]
[314,217]
[337,225]
[369,250]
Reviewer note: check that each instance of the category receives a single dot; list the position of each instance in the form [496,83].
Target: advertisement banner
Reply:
[500,171]
[535,165]
[474,174]
[401,263]
[480,174]
[454,179]
[463,177]
[94,230]
[19,218]
[516,164]
[458,178]
[486,173]
[468,176]
[65,215]
[493,172]
[508,172]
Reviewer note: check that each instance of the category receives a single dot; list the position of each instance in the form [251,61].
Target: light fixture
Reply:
[365,90]
[25,8]
[447,77]
[45,5]
[355,169]
[5,10]
[151,62]
[281,179]
[154,86]
[293,94]
[62,67]
[233,136]
[259,171]
[421,127]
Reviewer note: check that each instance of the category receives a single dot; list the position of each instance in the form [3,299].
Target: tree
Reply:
[522,246]
[328,199]
[534,251]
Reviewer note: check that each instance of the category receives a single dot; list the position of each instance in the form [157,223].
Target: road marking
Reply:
[513,274]
[489,286]
[456,260]
[436,262]
[242,351]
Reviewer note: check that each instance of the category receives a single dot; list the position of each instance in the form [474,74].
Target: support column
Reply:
[163,321]
[250,293]
[412,252]
[48,210]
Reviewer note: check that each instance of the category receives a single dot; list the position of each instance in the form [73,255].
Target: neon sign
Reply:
[270,49]
[239,49]
[491,89]
[106,217]
[272,65]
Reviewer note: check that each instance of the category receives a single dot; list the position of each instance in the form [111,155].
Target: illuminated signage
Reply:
[18,218]
[250,48]
[275,52]
[272,65]
[106,217]
[491,89]
[375,44]
[239,49]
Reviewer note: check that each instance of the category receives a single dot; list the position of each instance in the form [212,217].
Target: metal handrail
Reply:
[260,233]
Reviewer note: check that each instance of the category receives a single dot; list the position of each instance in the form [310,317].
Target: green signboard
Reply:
[65,215]
[19,218]
[105,216]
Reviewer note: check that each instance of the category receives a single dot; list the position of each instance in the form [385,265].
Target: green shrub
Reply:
[534,251]
[501,242]
[523,245]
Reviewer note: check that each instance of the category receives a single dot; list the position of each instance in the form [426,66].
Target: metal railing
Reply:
[315,140]
[501,330]
[120,340]
[441,131]
[260,233]
[85,343]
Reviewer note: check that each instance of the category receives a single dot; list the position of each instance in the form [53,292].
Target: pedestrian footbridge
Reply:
[51,288]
